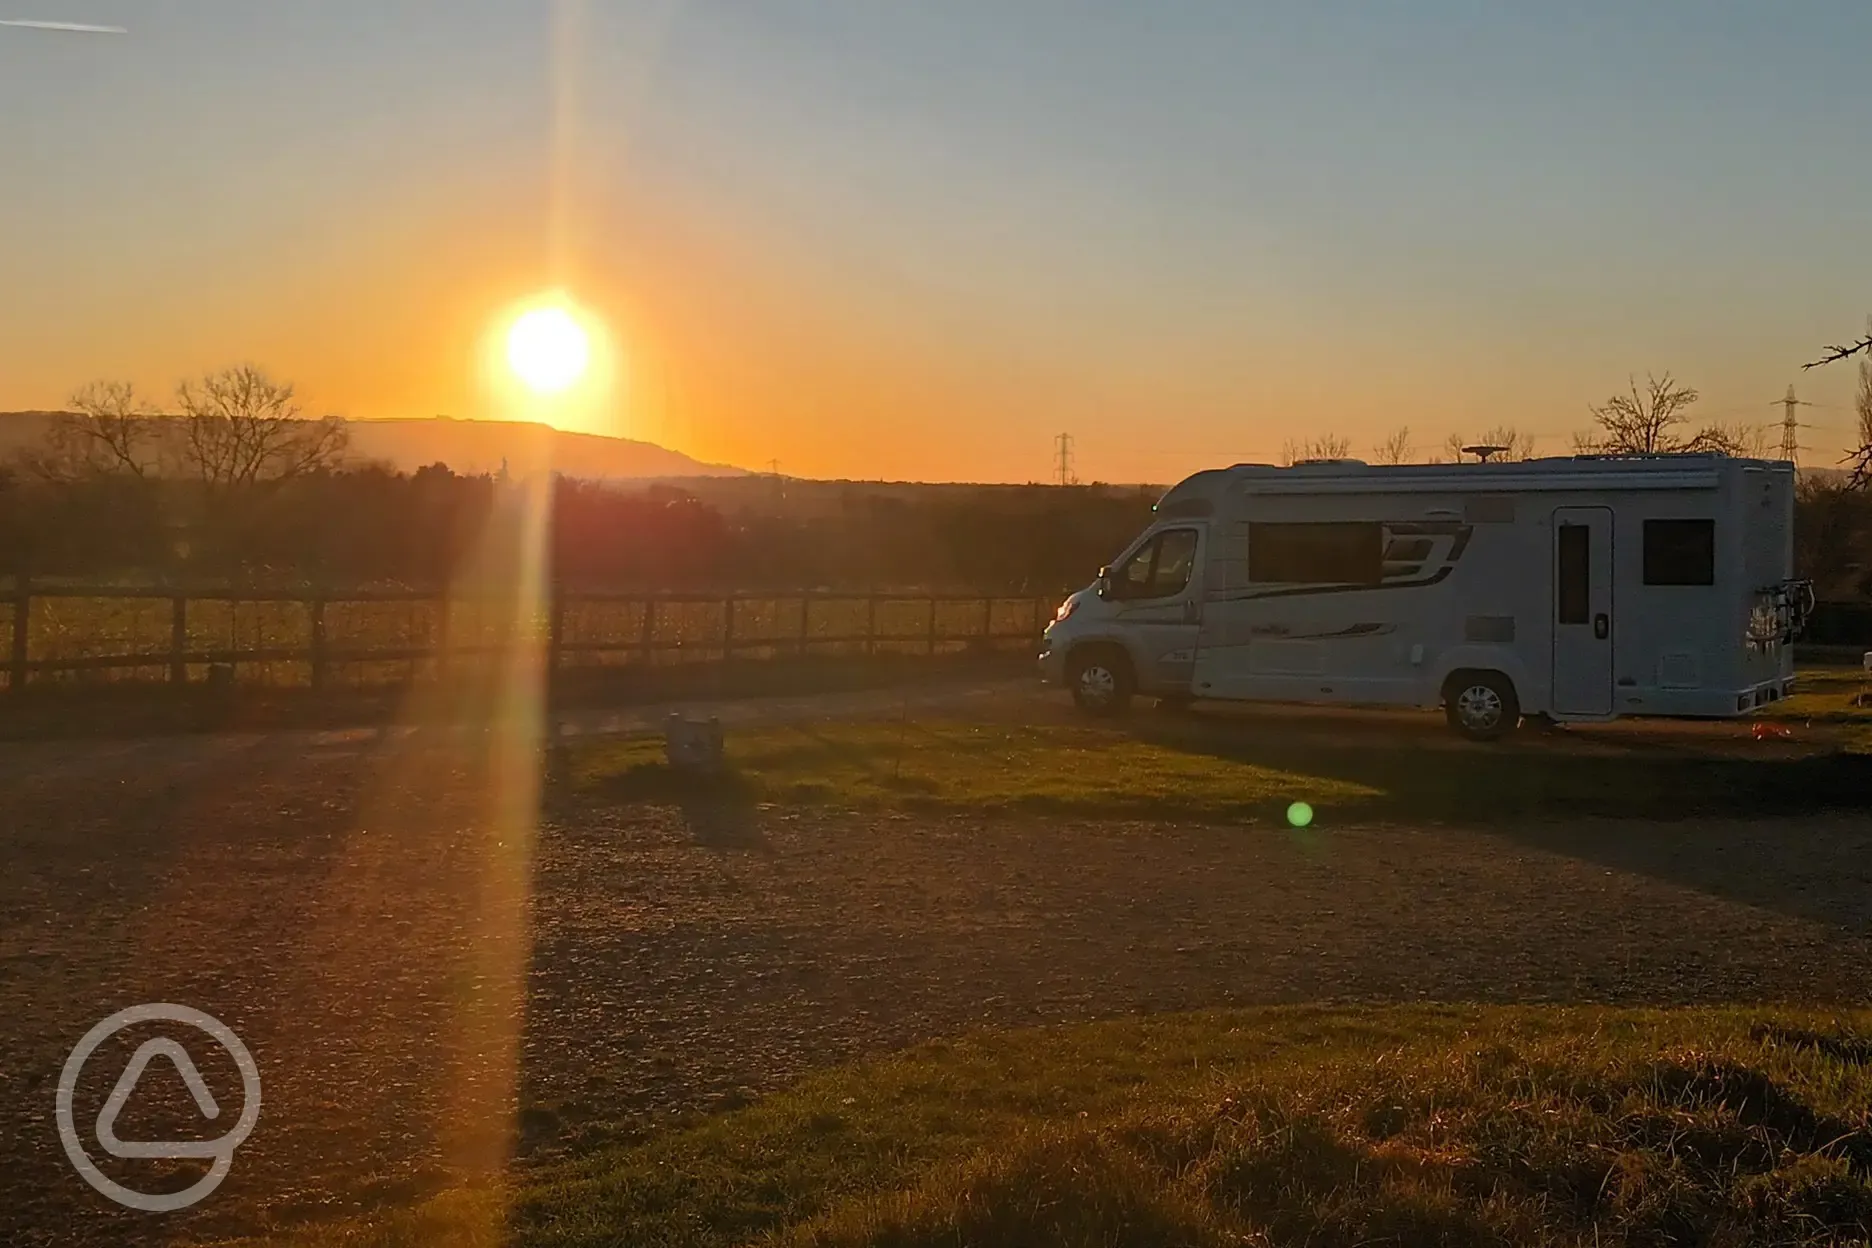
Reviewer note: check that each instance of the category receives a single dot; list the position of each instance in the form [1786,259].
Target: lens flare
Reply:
[1300,815]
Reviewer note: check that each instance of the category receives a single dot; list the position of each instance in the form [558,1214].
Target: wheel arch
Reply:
[1106,645]
[1464,659]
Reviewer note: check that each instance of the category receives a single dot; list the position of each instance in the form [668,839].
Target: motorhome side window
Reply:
[1680,552]
[1325,553]
[1160,568]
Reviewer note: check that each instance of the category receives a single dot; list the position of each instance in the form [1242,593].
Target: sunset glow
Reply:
[1158,235]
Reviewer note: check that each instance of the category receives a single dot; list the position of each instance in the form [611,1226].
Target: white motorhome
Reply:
[1582,588]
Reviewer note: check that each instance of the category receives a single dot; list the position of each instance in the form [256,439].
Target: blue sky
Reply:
[918,239]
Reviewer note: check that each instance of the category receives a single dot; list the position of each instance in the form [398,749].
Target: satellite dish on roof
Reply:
[1484,453]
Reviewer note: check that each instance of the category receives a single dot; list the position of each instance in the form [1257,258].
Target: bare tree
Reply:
[1843,351]
[1741,440]
[1641,422]
[1862,402]
[1859,460]
[1326,446]
[1395,449]
[1513,445]
[1647,422]
[241,429]
[109,431]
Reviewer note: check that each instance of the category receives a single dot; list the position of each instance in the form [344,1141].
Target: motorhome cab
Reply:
[1577,589]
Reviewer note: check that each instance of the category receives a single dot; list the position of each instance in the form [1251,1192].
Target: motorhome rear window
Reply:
[1328,553]
[1680,552]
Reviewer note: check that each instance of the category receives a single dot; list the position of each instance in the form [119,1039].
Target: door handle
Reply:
[1602,626]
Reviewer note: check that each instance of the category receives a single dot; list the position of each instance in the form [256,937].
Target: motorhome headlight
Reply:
[1066,608]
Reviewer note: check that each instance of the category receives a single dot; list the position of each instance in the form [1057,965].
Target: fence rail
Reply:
[59,634]
[65,634]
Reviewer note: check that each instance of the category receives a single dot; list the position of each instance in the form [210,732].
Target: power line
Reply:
[1063,459]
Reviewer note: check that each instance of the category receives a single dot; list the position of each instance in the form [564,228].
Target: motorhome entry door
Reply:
[1582,611]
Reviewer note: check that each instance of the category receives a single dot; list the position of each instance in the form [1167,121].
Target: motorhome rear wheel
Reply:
[1481,705]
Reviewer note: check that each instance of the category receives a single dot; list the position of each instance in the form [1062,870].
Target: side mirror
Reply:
[1104,582]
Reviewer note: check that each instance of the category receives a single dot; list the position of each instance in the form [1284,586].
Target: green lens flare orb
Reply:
[1299,814]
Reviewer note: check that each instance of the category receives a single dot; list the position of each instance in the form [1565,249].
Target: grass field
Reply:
[1221,768]
[1408,1125]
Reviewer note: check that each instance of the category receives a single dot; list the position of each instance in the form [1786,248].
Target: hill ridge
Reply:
[467,446]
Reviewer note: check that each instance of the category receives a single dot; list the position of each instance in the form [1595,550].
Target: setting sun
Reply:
[548,350]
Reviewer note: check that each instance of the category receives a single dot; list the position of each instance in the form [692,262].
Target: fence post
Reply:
[727,635]
[178,640]
[987,623]
[931,643]
[555,640]
[1039,613]
[805,608]
[444,635]
[318,640]
[871,627]
[648,644]
[22,632]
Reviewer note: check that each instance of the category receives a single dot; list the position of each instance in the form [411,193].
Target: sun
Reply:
[548,350]
[550,358]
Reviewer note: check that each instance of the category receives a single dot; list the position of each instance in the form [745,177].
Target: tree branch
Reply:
[1836,353]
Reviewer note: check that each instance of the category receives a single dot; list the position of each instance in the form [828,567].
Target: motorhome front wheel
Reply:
[1101,683]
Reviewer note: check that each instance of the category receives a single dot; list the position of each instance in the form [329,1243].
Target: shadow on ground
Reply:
[719,809]
[1767,823]
[1417,772]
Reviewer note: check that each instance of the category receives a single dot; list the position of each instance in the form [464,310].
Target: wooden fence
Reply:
[71,634]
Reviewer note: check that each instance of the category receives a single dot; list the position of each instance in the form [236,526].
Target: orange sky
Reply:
[919,243]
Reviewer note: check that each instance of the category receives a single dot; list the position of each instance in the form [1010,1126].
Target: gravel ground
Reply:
[361,911]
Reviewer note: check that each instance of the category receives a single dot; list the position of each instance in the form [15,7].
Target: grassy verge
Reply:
[956,764]
[1830,696]
[1221,770]
[1450,1125]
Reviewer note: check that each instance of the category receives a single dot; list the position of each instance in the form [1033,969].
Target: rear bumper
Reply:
[1765,694]
[1705,703]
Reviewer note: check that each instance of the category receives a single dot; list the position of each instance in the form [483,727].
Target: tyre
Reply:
[1481,705]
[1101,681]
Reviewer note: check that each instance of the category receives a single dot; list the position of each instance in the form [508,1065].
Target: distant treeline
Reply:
[234,486]
[228,482]
[1833,540]
[372,525]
